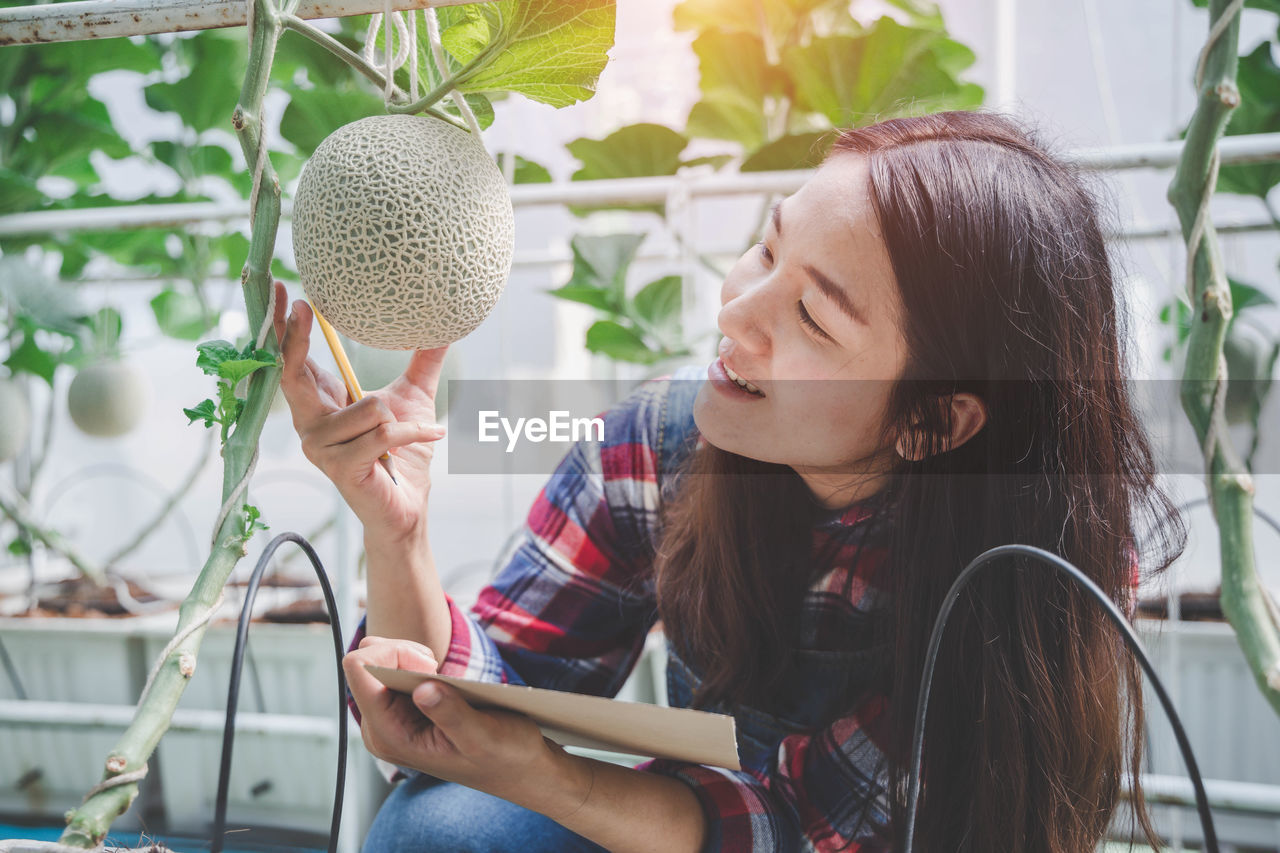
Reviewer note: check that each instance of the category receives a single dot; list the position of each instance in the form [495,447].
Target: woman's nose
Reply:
[746,317]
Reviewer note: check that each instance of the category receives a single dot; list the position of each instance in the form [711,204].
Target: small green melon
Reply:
[403,231]
[107,399]
[15,419]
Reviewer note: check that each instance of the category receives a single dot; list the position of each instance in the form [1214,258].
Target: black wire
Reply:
[233,690]
[1130,638]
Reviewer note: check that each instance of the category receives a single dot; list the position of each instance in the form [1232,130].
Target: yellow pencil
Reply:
[349,377]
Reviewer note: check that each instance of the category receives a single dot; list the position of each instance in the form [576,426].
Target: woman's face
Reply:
[810,317]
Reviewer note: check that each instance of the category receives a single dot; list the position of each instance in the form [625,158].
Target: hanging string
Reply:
[442,64]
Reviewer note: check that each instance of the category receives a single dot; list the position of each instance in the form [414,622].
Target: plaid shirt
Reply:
[572,605]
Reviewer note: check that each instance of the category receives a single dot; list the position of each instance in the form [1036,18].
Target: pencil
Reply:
[349,377]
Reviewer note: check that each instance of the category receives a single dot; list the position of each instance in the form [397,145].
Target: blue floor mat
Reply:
[174,842]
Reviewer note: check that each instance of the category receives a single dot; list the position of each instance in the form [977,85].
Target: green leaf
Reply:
[602,262]
[715,161]
[529,172]
[314,114]
[28,357]
[480,105]
[41,302]
[250,523]
[779,18]
[211,354]
[587,294]
[19,547]
[233,370]
[18,192]
[618,342]
[103,328]
[1258,79]
[205,410]
[206,97]
[890,70]
[634,151]
[549,50]
[793,151]
[735,80]
[637,150]
[193,161]
[179,315]
[295,51]
[657,305]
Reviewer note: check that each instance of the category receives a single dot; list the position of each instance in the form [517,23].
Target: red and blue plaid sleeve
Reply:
[573,601]
[827,793]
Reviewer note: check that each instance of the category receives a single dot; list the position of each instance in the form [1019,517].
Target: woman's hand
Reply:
[437,732]
[344,440]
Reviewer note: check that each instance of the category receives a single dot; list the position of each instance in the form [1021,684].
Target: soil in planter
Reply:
[1194,607]
[82,598]
[306,610]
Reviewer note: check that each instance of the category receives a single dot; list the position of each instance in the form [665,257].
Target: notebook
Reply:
[572,719]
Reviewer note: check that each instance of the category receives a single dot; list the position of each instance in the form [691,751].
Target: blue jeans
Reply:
[425,815]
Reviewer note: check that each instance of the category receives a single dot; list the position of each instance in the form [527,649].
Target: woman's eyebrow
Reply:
[833,291]
[837,294]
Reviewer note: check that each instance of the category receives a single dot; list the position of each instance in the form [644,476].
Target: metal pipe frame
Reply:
[96,19]
[1253,148]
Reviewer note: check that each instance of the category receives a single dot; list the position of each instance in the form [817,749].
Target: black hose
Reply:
[233,690]
[1130,638]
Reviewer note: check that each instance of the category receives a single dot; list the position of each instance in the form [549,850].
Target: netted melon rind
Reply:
[403,231]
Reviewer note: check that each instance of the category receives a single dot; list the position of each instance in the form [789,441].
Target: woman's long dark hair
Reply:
[1008,293]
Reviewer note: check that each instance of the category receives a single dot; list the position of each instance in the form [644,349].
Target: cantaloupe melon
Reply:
[403,231]
[15,419]
[107,399]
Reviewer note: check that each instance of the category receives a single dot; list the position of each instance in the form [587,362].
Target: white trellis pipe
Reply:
[1224,794]
[1252,148]
[96,19]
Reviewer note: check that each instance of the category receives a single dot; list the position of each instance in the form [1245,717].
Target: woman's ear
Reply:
[968,415]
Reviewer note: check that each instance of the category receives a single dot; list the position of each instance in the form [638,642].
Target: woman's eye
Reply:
[808,320]
[764,252]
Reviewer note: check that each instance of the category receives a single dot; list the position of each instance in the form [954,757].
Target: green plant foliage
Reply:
[637,150]
[1265,5]
[644,328]
[230,365]
[549,50]
[890,70]
[46,324]
[250,523]
[793,151]
[735,82]
[1258,78]
[179,314]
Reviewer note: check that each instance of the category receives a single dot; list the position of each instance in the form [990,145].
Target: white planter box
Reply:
[1234,732]
[280,777]
[74,660]
[53,749]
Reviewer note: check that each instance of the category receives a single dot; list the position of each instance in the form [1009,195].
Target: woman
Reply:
[930,345]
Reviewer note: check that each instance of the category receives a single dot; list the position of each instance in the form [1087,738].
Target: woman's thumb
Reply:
[447,709]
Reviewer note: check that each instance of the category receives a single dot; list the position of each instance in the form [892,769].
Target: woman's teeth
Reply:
[742,382]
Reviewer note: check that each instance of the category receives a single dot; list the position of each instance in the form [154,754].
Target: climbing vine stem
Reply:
[1228,481]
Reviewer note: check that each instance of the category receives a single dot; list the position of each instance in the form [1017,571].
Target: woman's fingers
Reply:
[380,651]
[354,458]
[423,369]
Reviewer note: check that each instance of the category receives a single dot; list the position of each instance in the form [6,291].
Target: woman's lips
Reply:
[721,382]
